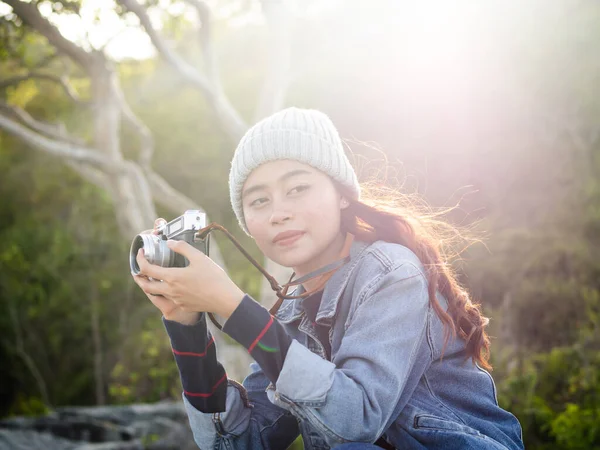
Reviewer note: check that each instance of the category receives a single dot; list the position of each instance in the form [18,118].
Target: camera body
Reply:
[183,228]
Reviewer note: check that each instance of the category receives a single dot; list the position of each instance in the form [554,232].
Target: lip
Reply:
[287,237]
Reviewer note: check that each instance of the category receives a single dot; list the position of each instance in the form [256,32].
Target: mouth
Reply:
[289,239]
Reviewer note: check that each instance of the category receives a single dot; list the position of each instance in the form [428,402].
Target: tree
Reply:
[135,188]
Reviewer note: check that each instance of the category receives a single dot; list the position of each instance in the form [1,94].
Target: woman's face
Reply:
[288,196]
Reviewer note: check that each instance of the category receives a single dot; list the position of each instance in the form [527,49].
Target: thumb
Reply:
[183,248]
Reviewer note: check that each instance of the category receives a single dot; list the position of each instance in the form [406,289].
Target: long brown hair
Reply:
[386,214]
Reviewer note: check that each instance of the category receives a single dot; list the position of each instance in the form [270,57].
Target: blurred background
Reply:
[113,113]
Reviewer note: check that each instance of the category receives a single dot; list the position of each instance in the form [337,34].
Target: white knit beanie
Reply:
[304,135]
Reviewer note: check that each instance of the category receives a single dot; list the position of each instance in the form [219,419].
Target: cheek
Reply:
[322,210]
[257,228]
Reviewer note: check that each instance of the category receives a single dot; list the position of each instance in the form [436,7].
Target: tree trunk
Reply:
[131,194]
[133,187]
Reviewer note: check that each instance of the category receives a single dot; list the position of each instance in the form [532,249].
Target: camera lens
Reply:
[155,251]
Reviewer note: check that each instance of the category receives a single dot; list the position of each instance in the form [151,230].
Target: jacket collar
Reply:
[292,310]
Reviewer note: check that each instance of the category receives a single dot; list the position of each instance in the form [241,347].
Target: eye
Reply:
[258,201]
[300,188]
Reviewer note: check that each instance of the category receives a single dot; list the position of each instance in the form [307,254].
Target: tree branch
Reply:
[44,76]
[277,77]
[231,121]
[59,148]
[57,132]
[185,69]
[91,175]
[146,139]
[47,59]
[29,13]
[142,186]
[210,60]
[167,196]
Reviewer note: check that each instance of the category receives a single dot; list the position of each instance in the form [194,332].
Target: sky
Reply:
[98,25]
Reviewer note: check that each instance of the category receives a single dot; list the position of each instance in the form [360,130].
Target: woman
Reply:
[386,349]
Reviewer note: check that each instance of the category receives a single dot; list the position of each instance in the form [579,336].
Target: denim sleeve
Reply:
[352,398]
[250,421]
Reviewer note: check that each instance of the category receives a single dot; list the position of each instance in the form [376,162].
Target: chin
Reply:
[289,261]
[292,258]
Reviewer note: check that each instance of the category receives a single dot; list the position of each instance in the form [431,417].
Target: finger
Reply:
[183,248]
[152,270]
[153,287]
[161,302]
[158,223]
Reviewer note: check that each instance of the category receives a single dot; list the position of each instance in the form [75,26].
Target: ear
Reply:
[344,203]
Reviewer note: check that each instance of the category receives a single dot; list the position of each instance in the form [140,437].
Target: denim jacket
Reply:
[386,376]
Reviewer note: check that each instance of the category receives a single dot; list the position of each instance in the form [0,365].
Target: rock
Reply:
[27,440]
[160,426]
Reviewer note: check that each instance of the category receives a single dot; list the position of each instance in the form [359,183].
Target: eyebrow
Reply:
[281,178]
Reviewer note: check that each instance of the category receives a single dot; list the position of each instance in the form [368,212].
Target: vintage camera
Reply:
[184,228]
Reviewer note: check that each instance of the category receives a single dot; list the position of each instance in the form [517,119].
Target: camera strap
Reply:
[324,273]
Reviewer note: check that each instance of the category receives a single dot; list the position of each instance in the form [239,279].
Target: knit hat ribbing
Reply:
[304,135]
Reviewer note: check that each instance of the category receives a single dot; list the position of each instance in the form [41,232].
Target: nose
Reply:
[280,214]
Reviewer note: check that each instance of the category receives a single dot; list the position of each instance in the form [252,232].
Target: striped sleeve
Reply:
[265,338]
[203,378]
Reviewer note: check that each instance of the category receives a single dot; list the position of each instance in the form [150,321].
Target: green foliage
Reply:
[557,399]
[28,406]
[62,261]
[577,429]
[53,258]
[148,372]
[556,395]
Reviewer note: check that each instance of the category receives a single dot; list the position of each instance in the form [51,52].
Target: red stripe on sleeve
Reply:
[203,395]
[262,333]
[212,340]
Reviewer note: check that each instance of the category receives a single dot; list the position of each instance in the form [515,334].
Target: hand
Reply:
[202,286]
[167,307]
